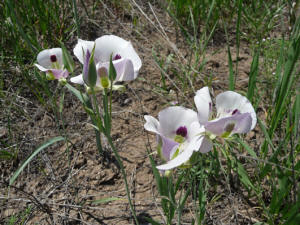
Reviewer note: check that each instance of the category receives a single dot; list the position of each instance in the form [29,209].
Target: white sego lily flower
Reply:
[235,114]
[125,60]
[179,133]
[50,61]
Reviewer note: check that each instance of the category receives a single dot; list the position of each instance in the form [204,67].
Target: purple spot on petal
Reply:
[116,57]
[53,58]
[210,106]
[229,127]
[235,111]
[182,131]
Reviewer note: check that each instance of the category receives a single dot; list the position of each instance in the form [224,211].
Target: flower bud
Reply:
[89,69]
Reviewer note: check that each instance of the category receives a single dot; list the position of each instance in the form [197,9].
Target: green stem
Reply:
[97,123]
[107,115]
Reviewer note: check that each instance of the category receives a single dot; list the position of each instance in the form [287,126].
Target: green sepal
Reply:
[112,74]
[92,73]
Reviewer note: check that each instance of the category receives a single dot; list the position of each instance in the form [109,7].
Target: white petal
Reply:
[173,117]
[41,68]
[206,145]
[77,79]
[57,73]
[203,104]
[229,101]
[169,147]
[195,129]
[238,123]
[151,124]
[243,125]
[124,69]
[81,48]
[131,54]
[43,57]
[184,156]
[111,44]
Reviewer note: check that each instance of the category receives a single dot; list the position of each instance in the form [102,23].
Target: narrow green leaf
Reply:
[286,84]
[155,173]
[231,73]
[267,137]
[179,181]
[77,21]
[210,12]
[45,145]
[17,20]
[252,76]
[296,116]
[61,102]
[247,147]
[83,98]
[238,22]
[277,197]
[244,177]
[5,155]
[184,198]
[278,74]
[94,126]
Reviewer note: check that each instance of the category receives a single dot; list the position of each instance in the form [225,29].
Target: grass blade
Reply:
[45,145]
[253,75]
[247,147]
[77,21]
[231,73]
[238,22]
[286,83]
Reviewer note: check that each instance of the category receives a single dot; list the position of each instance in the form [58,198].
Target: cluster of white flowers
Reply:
[125,60]
[182,132]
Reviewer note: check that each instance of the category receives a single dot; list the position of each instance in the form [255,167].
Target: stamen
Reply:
[182,131]
[53,58]
[116,57]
